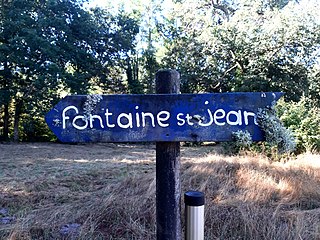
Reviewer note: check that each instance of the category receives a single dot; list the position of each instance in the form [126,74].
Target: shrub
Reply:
[35,129]
[243,139]
[275,132]
[303,119]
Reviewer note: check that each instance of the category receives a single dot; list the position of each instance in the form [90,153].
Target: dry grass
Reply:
[109,190]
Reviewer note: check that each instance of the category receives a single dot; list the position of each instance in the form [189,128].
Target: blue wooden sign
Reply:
[157,117]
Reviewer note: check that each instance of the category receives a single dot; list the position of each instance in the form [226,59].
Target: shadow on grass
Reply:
[110,192]
[257,200]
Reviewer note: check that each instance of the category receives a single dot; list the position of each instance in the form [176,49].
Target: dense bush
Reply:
[288,126]
[35,129]
[303,119]
[275,132]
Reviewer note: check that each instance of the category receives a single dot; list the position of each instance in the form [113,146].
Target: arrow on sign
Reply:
[157,117]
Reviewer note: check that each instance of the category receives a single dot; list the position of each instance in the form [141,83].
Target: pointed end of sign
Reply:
[53,122]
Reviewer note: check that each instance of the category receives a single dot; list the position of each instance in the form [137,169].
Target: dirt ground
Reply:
[24,166]
[89,152]
[107,191]
[35,177]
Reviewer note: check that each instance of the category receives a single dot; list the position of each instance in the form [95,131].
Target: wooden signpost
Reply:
[166,118]
[168,184]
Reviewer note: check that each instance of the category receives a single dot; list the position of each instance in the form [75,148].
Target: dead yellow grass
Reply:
[252,198]
[109,190]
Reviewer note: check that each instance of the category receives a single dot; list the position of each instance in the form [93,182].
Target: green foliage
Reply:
[35,129]
[49,47]
[314,87]
[303,119]
[222,46]
[249,46]
[279,139]
[52,48]
[242,142]
[243,139]
[276,134]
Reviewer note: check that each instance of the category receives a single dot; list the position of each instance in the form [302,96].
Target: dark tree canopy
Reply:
[51,46]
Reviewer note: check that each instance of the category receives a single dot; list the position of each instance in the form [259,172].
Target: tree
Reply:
[41,46]
[141,62]
[118,30]
[244,46]
[47,46]
[149,38]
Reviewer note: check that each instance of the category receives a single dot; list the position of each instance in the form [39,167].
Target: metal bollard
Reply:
[194,212]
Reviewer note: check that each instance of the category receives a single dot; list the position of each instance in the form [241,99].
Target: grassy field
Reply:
[107,191]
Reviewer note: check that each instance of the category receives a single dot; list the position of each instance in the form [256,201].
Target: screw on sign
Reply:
[166,118]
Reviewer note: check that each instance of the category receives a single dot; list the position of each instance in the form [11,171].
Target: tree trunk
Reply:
[16,122]
[136,68]
[130,78]
[6,122]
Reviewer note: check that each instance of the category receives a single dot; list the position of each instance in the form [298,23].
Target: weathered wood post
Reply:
[168,187]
